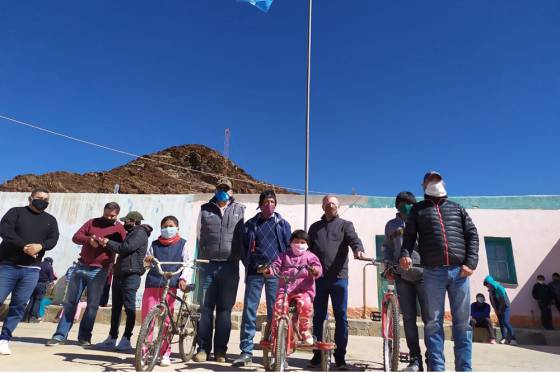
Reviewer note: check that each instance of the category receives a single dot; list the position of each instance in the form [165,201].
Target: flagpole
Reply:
[307,111]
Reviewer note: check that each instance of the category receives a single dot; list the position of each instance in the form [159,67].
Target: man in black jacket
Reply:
[330,239]
[542,293]
[126,277]
[448,248]
[27,233]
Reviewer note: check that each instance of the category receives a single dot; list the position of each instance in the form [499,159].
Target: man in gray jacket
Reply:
[410,285]
[221,234]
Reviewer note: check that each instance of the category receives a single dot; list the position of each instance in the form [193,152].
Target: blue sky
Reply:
[470,88]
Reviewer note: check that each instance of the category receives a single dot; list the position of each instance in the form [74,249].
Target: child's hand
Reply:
[313,271]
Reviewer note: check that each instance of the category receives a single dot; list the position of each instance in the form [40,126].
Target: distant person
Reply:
[500,303]
[448,247]
[480,317]
[542,293]
[126,277]
[27,233]
[46,276]
[555,286]
[90,273]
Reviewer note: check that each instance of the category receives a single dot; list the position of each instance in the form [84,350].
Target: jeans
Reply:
[505,326]
[485,322]
[337,289]
[124,293]
[437,282]
[32,309]
[20,281]
[408,292]
[92,278]
[253,290]
[219,282]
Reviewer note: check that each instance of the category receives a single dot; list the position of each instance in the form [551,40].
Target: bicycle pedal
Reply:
[403,357]
[375,316]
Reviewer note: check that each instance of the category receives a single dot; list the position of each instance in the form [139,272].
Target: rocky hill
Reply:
[177,170]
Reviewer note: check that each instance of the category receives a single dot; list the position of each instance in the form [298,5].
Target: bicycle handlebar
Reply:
[181,264]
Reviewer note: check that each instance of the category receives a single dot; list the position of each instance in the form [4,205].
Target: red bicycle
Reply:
[389,317]
[285,339]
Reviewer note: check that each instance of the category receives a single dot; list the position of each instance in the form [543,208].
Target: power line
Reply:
[72,138]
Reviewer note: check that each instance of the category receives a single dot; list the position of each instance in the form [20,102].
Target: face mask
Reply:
[39,204]
[298,248]
[107,221]
[169,232]
[540,282]
[221,196]
[436,189]
[128,226]
[405,209]
[480,300]
[268,210]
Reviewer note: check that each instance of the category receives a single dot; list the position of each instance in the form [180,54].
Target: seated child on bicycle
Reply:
[302,290]
[169,247]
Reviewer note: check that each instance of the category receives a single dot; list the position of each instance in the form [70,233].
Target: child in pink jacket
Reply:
[302,290]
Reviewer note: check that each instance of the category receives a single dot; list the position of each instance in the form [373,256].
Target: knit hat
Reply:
[134,216]
[406,197]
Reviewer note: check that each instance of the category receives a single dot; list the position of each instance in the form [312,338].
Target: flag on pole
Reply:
[263,5]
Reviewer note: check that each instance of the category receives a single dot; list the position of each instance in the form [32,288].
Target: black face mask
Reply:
[107,221]
[39,204]
[129,226]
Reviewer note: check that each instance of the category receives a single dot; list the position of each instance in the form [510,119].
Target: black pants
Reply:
[484,323]
[32,309]
[105,296]
[546,314]
[124,293]
[408,292]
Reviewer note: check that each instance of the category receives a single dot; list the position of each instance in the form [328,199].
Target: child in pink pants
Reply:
[302,291]
[169,247]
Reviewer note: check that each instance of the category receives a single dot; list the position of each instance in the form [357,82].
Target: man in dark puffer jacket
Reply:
[448,248]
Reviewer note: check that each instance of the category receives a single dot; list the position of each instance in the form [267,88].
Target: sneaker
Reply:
[165,361]
[308,339]
[55,342]
[415,365]
[315,361]
[243,360]
[341,366]
[503,341]
[84,342]
[513,342]
[4,347]
[124,344]
[220,357]
[109,342]
[492,341]
[200,356]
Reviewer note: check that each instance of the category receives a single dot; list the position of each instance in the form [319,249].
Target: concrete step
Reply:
[358,327]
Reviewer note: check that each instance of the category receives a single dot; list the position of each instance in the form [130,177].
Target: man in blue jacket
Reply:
[265,236]
[480,317]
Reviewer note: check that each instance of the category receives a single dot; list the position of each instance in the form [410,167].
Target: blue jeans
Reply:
[505,326]
[438,281]
[92,278]
[32,309]
[219,281]
[20,281]
[253,290]
[338,291]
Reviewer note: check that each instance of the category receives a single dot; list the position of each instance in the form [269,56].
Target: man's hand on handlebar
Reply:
[185,287]
[148,261]
[358,254]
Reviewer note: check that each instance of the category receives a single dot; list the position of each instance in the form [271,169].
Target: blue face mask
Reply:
[221,196]
[169,232]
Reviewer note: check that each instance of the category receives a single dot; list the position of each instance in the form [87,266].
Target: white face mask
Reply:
[480,300]
[436,189]
[169,232]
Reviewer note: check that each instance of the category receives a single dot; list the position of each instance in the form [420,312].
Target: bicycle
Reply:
[286,339]
[156,335]
[389,317]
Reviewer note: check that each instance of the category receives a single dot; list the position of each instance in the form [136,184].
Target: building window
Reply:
[500,259]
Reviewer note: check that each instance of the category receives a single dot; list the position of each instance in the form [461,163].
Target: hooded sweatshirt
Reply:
[498,296]
[305,282]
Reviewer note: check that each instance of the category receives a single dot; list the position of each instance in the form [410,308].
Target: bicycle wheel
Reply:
[149,340]
[326,355]
[187,337]
[281,343]
[391,335]
[267,358]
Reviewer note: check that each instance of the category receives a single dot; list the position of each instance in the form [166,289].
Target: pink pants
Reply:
[79,309]
[150,299]
[304,305]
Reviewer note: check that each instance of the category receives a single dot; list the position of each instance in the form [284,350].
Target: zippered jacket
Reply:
[445,232]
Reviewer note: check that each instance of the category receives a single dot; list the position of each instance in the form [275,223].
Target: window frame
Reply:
[510,259]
